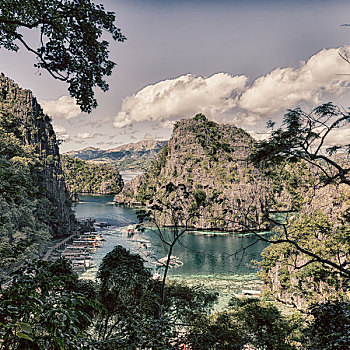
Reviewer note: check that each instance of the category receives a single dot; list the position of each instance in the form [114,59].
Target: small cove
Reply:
[208,258]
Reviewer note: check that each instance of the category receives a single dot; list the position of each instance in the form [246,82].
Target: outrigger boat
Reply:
[81,248]
[173,263]
[129,230]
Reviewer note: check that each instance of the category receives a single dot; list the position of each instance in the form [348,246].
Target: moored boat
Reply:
[173,262]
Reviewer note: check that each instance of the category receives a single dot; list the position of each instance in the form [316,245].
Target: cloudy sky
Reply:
[237,61]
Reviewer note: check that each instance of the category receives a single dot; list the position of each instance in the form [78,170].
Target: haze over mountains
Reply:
[132,156]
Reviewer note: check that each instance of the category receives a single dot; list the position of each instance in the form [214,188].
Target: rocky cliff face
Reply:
[34,129]
[210,163]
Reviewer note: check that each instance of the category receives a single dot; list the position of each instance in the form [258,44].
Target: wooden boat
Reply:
[75,255]
[173,263]
[102,224]
[81,262]
[250,292]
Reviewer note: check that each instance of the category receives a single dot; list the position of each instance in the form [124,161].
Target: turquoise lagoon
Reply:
[209,258]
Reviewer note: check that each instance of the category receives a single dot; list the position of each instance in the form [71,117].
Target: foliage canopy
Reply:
[46,307]
[307,136]
[70,45]
[84,177]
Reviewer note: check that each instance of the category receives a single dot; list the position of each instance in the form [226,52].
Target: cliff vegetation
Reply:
[308,258]
[210,161]
[34,201]
[83,177]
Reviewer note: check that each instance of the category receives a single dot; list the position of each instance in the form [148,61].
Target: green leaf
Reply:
[25,327]
[24,336]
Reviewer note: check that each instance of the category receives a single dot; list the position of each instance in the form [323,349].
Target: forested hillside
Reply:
[34,201]
[308,258]
[206,178]
[83,177]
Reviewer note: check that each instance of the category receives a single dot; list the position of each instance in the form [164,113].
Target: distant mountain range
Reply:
[132,156]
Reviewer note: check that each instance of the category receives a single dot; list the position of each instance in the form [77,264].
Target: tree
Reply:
[131,297]
[176,209]
[219,331]
[128,294]
[83,177]
[45,306]
[330,326]
[23,232]
[264,326]
[70,47]
[313,241]
[307,136]
[245,324]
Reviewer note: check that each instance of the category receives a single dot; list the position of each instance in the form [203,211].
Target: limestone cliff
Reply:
[33,129]
[210,162]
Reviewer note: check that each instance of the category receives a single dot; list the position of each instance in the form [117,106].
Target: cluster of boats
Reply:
[81,248]
[79,252]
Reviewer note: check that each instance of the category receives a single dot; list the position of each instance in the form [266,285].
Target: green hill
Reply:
[84,177]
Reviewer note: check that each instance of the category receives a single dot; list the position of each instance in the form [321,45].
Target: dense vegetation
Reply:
[83,177]
[34,203]
[306,264]
[69,38]
[24,221]
[307,259]
[208,160]
[46,306]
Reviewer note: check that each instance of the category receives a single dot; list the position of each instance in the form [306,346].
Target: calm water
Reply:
[204,255]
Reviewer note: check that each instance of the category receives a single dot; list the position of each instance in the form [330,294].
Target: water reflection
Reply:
[202,254]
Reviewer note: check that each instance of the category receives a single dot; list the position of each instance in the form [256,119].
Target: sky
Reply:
[241,62]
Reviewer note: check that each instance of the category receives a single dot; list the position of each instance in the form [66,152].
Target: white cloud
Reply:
[64,107]
[338,137]
[88,135]
[59,129]
[226,98]
[259,136]
[148,136]
[64,137]
[128,131]
[84,135]
[182,97]
[61,133]
[287,87]
[166,124]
